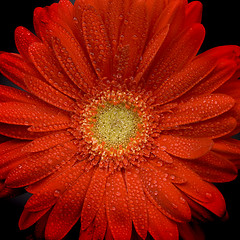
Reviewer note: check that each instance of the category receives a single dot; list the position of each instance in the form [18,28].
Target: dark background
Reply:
[222,22]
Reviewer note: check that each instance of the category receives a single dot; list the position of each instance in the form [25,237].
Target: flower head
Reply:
[122,124]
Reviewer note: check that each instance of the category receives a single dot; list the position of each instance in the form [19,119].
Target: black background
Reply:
[222,22]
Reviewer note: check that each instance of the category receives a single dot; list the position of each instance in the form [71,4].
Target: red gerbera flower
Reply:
[121,124]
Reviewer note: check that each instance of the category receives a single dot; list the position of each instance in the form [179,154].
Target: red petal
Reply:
[193,13]
[49,94]
[10,94]
[137,203]
[27,218]
[117,207]
[165,196]
[220,74]
[198,109]
[39,165]
[202,192]
[48,141]
[23,39]
[51,188]
[213,167]
[159,226]
[99,51]
[191,231]
[29,114]
[150,52]
[61,220]
[212,128]
[93,197]
[13,67]
[133,37]
[100,221]
[174,58]
[51,70]
[184,147]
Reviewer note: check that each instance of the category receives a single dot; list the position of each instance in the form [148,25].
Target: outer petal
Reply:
[51,70]
[137,201]
[184,147]
[212,128]
[61,220]
[24,38]
[99,51]
[93,197]
[165,196]
[29,114]
[27,218]
[198,109]
[48,141]
[213,167]
[13,67]
[159,226]
[39,165]
[117,207]
[179,53]
[53,187]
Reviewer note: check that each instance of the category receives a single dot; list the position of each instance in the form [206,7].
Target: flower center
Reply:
[115,125]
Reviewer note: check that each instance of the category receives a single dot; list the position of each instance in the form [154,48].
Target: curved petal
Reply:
[212,128]
[54,187]
[61,220]
[137,201]
[185,147]
[159,226]
[117,207]
[165,196]
[36,166]
[212,167]
[197,109]
[93,197]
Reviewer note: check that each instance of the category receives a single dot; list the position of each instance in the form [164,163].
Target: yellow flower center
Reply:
[115,125]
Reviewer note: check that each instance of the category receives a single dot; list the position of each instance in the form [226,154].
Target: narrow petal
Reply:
[159,226]
[52,188]
[48,141]
[27,218]
[29,114]
[202,192]
[185,147]
[220,74]
[133,36]
[36,166]
[61,220]
[212,167]
[100,221]
[100,50]
[23,39]
[198,109]
[179,53]
[51,70]
[193,13]
[10,94]
[117,207]
[13,67]
[93,197]
[213,128]
[18,132]
[150,52]
[49,94]
[165,196]
[137,202]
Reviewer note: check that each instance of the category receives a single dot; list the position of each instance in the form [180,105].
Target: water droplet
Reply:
[56,193]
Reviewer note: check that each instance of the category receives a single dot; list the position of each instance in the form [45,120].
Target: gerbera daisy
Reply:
[121,124]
